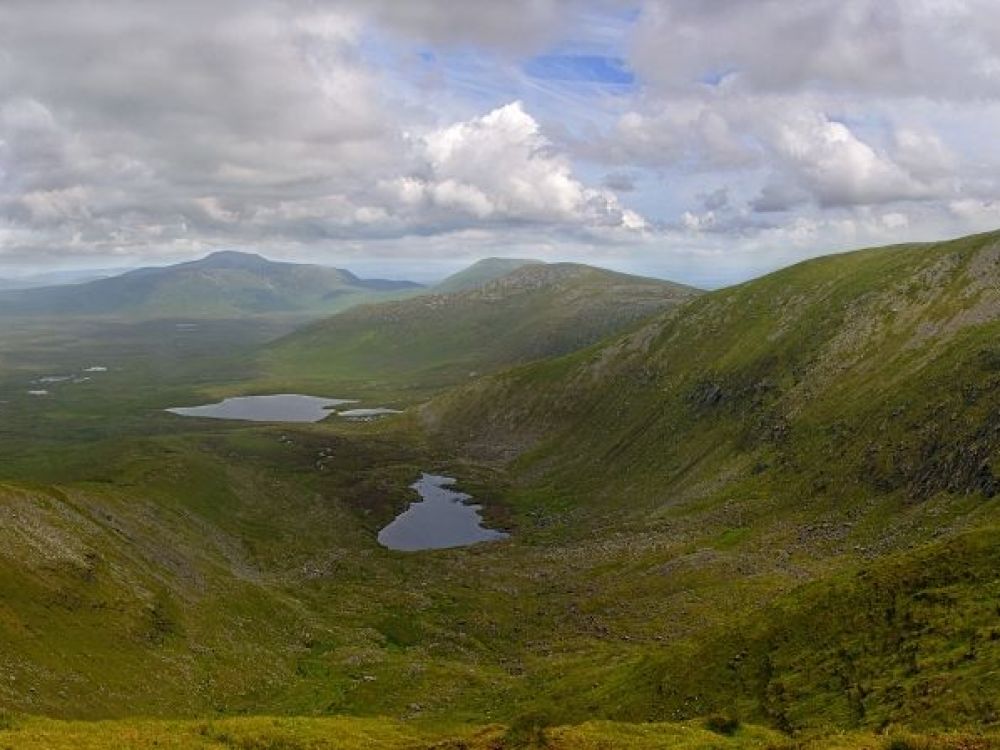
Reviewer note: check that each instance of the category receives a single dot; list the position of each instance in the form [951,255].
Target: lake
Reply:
[365,414]
[282,407]
[440,520]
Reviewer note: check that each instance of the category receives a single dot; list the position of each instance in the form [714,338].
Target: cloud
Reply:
[500,167]
[982,214]
[512,26]
[777,195]
[145,128]
[620,182]
[948,49]
[716,199]
[142,128]
[826,160]
[923,154]
[132,117]
[687,130]
[799,152]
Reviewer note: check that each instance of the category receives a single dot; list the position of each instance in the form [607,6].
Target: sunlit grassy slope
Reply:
[536,311]
[835,422]
[870,372]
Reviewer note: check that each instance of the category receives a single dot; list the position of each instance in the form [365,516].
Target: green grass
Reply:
[771,504]
[759,438]
[343,733]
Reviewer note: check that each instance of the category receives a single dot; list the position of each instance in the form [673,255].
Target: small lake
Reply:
[366,414]
[440,520]
[283,407]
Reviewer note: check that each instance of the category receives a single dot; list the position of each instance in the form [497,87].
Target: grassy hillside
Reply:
[835,424]
[875,371]
[537,311]
[481,272]
[224,284]
[349,733]
[764,518]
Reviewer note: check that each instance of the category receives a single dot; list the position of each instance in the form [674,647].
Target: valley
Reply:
[764,516]
[523,375]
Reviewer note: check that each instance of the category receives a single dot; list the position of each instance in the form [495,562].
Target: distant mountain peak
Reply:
[233,259]
[495,260]
[482,272]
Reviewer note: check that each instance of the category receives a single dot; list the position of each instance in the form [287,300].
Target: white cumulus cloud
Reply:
[500,166]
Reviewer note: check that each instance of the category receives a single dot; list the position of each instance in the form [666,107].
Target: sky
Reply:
[707,141]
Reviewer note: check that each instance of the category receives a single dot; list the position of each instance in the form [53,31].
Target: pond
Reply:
[282,407]
[366,414]
[440,520]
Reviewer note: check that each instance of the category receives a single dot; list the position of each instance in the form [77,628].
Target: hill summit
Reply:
[537,310]
[481,272]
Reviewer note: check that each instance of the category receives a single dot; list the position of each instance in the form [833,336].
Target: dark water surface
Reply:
[441,519]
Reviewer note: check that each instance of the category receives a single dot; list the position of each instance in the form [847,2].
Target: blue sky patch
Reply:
[580,69]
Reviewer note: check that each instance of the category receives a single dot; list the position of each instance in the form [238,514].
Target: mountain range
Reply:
[57,278]
[225,283]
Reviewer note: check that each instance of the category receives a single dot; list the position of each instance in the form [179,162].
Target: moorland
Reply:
[764,516]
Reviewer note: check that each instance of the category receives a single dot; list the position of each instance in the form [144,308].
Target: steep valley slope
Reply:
[825,439]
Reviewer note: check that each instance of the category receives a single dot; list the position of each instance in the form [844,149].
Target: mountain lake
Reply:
[441,519]
[365,414]
[282,407]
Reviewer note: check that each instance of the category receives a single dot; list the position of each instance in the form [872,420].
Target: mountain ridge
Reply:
[222,283]
[823,443]
[535,311]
